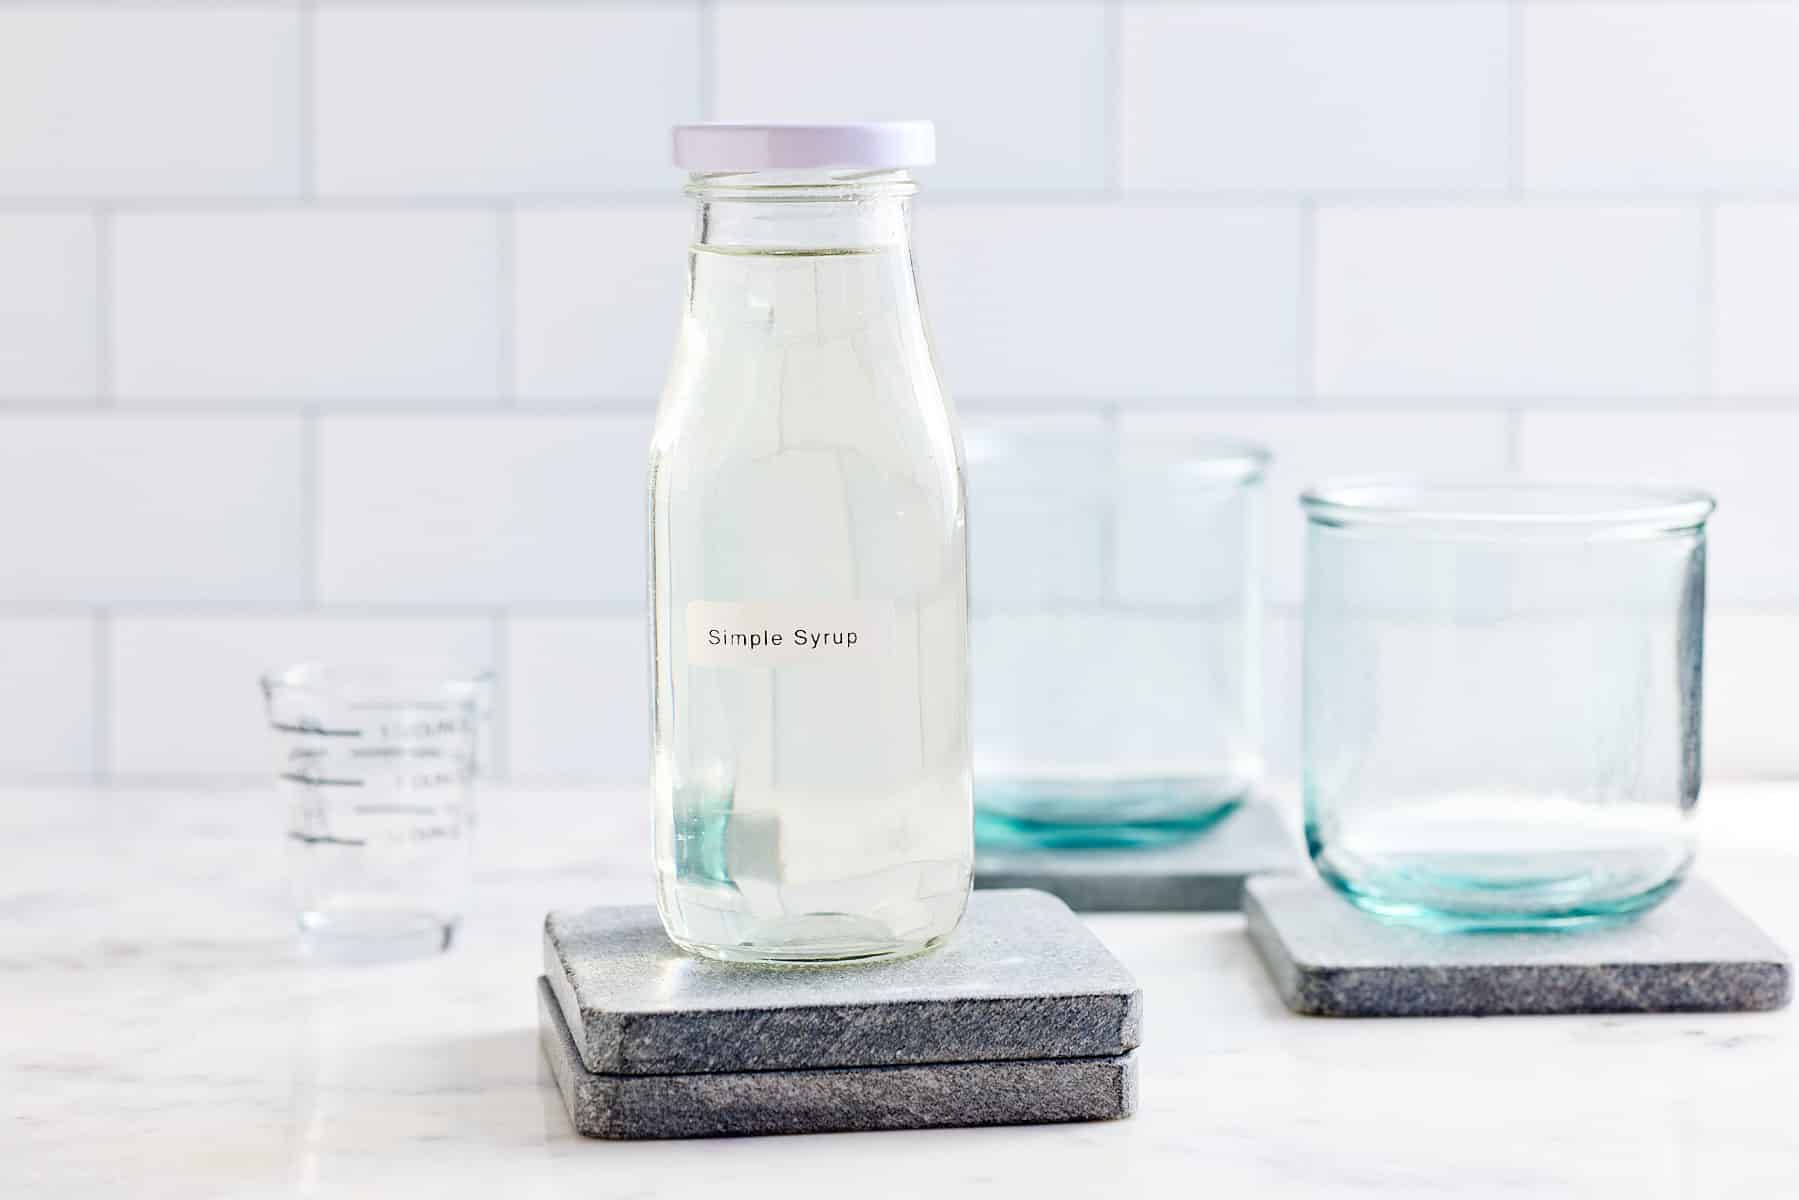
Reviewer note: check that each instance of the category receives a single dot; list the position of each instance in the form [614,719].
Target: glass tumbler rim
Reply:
[384,682]
[1498,505]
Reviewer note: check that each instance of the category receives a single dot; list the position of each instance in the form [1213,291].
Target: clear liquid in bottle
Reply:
[809,600]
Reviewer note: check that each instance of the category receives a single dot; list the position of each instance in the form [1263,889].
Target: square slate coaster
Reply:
[1021,978]
[733,1103]
[1695,952]
[1203,874]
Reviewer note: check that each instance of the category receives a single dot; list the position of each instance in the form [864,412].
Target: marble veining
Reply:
[161,1038]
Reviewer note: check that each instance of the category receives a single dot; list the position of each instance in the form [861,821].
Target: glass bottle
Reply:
[809,596]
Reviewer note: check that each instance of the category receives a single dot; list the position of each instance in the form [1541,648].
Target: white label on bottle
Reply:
[781,633]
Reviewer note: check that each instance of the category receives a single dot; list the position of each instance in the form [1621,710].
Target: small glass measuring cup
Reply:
[378,766]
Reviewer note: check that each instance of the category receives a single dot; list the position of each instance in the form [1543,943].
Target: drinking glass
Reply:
[378,767]
[1117,602]
[1502,697]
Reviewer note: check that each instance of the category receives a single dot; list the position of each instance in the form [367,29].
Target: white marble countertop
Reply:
[161,1038]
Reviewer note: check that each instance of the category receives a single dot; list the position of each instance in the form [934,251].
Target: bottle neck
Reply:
[803,211]
[802,256]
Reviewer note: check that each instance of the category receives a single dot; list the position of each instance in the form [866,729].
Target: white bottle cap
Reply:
[766,147]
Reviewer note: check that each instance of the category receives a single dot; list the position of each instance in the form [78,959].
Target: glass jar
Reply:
[809,597]
[1502,696]
[1117,634]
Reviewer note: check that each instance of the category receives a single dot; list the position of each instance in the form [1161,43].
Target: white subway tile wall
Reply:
[111,103]
[305,306]
[1751,660]
[596,301]
[185,697]
[1745,457]
[47,683]
[1113,301]
[1653,97]
[1458,304]
[333,329]
[1027,81]
[540,513]
[578,696]
[1285,97]
[49,305]
[1282,662]
[1756,303]
[167,512]
[1309,446]
[497,99]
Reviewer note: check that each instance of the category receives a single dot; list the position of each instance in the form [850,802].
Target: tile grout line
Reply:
[205,5]
[1514,441]
[1306,368]
[500,718]
[306,117]
[1113,98]
[1197,199]
[506,306]
[630,414]
[102,697]
[309,510]
[706,59]
[1515,27]
[599,408]
[146,782]
[1111,420]
[105,385]
[366,613]
[1706,301]
[238,780]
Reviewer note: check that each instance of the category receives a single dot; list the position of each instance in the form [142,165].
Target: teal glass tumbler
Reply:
[1501,715]
[1116,606]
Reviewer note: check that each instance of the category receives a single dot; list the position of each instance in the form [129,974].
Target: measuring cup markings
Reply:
[396,752]
[411,730]
[310,780]
[324,839]
[312,726]
[379,795]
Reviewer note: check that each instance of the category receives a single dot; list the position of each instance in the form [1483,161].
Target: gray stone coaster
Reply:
[1203,874]
[831,1100]
[1695,952]
[1021,978]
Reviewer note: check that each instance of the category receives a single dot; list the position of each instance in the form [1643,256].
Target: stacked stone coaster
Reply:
[1695,952]
[1203,874]
[1022,1016]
